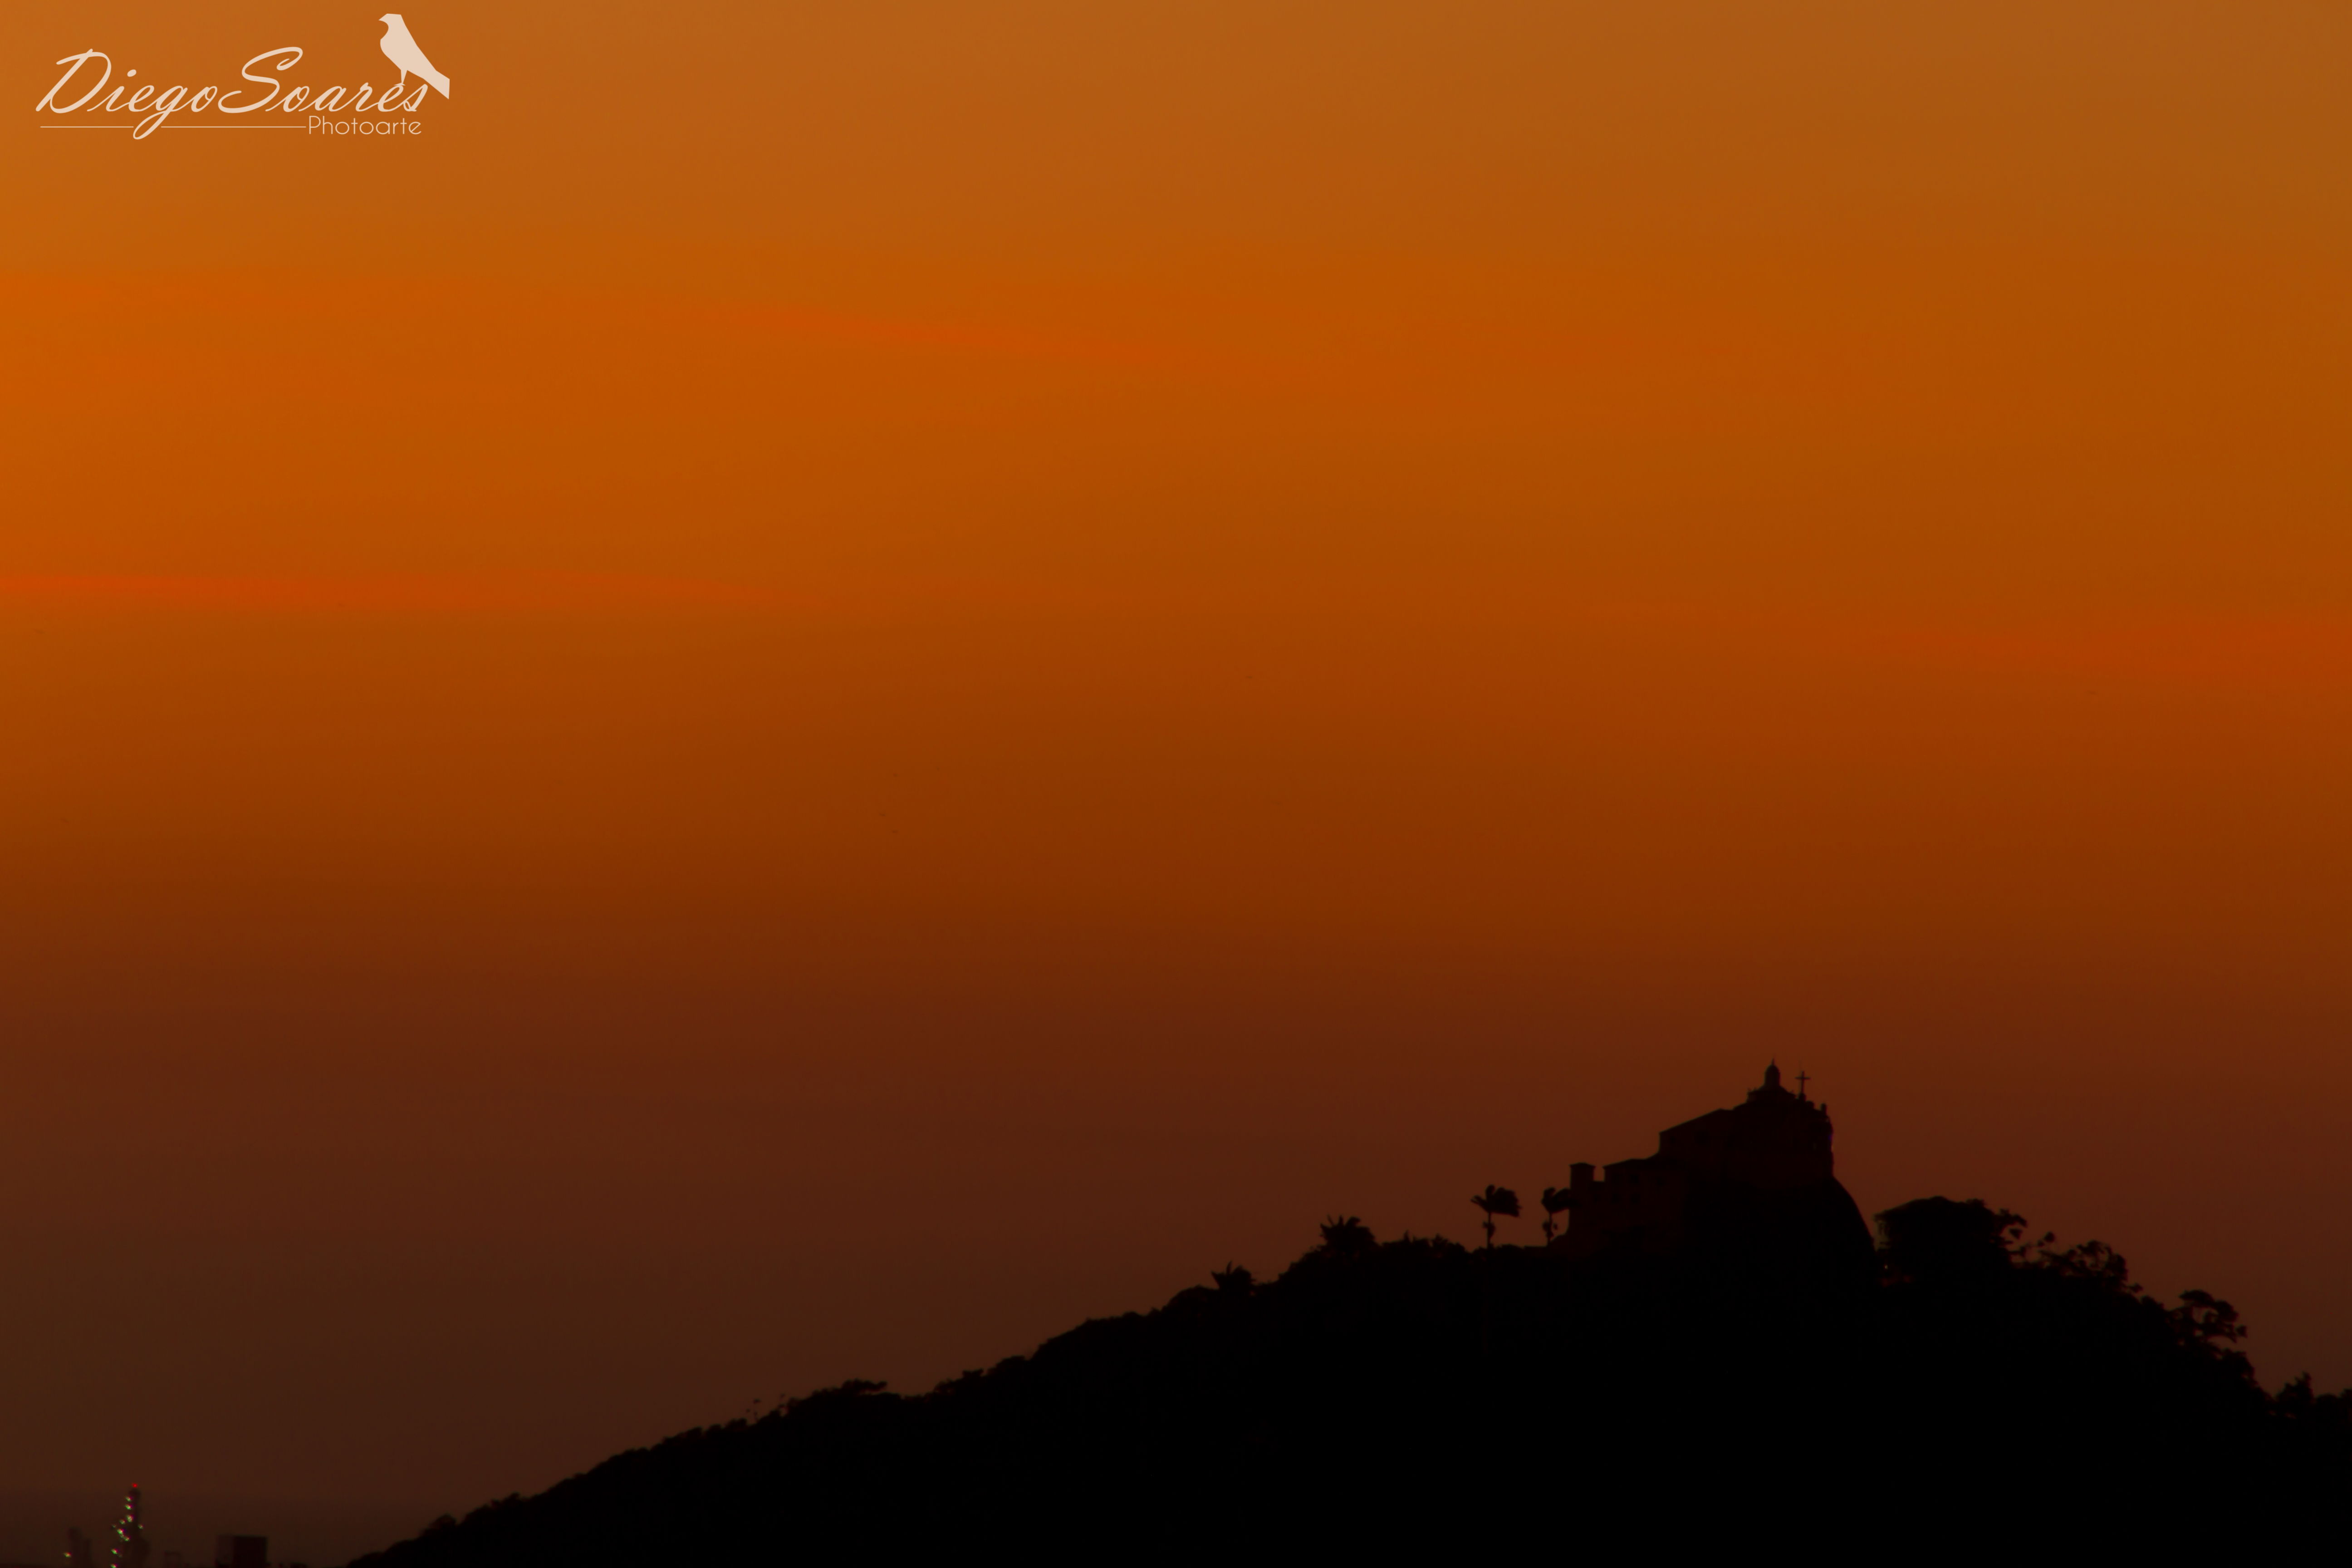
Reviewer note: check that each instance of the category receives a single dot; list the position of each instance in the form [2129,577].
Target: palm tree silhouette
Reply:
[1497,1200]
[1556,1202]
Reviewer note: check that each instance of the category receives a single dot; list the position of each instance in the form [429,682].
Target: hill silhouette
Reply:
[1756,1371]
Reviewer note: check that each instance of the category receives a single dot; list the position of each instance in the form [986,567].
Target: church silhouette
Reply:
[1756,1182]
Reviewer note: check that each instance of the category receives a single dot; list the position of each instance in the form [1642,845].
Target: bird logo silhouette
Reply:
[402,50]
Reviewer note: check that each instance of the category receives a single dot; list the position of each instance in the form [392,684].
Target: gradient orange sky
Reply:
[820,687]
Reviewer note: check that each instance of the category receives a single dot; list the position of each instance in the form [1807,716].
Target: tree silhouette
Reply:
[1497,1200]
[1937,1240]
[2205,1319]
[1345,1235]
[1556,1202]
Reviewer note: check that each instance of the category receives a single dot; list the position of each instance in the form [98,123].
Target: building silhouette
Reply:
[1757,1177]
[241,1551]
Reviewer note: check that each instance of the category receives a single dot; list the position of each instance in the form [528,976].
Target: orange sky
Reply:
[817,688]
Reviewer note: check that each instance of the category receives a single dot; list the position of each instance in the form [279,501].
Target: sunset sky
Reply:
[821,687]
